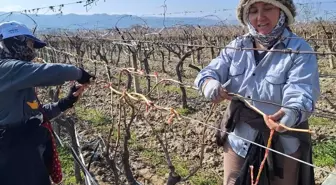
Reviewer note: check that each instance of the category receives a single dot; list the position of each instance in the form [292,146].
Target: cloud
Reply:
[10,8]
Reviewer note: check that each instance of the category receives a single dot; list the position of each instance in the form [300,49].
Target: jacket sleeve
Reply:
[302,88]
[217,69]
[17,75]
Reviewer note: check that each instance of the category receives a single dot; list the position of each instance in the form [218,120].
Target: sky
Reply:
[137,7]
[210,8]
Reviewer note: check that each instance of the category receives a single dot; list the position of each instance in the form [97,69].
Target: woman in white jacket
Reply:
[287,79]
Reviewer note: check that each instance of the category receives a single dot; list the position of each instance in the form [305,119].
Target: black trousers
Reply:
[24,153]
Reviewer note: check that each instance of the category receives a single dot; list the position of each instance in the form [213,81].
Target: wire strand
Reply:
[194,121]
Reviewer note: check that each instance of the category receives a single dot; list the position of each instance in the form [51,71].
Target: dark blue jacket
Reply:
[17,93]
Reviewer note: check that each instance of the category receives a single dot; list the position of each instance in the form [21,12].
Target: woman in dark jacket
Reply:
[27,155]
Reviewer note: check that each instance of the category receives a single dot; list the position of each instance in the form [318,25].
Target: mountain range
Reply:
[105,21]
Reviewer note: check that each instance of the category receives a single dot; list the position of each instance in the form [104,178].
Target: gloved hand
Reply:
[85,79]
[214,91]
[69,100]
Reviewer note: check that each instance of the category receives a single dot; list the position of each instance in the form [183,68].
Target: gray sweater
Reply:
[17,82]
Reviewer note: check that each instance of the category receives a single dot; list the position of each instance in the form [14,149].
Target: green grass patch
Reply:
[191,93]
[200,178]
[184,111]
[154,156]
[133,140]
[106,129]
[67,163]
[324,153]
[182,167]
[143,82]
[319,121]
[92,116]
[204,178]
[162,171]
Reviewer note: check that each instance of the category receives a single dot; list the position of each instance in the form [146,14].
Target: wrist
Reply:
[66,103]
[291,118]
[80,73]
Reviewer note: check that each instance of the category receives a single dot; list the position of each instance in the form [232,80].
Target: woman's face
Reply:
[263,17]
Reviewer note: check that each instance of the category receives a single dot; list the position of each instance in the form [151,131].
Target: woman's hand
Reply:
[75,92]
[222,95]
[79,90]
[271,121]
